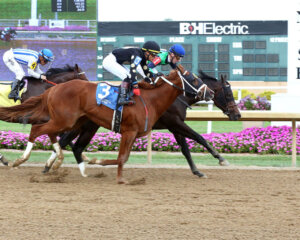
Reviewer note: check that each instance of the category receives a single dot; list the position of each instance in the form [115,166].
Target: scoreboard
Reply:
[242,50]
[68,5]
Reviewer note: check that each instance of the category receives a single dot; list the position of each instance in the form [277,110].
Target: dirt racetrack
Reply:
[159,204]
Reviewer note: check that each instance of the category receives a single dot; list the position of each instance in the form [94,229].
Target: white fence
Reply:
[92,24]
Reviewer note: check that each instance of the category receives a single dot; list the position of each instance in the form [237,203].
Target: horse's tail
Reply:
[33,111]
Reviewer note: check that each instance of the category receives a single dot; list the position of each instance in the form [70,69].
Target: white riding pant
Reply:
[13,65]
[110,64]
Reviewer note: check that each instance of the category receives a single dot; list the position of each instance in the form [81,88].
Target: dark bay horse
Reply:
[55,76]
[173,120]
[69,104]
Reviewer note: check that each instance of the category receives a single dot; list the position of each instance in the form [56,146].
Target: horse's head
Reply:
[60,75]
[223,98]
[194,86]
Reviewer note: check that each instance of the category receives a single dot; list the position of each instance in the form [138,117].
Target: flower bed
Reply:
[260,103]
[269,140]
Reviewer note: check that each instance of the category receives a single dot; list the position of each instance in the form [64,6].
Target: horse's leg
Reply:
[3,160]
[88,131]
[127,141]
[60,157]
[65,139]
[186,152]
[25,155]
[184,130]
[52,129]
[34,133]
[81,143]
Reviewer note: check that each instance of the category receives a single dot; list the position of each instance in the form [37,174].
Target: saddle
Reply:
[108,95]
[5,89]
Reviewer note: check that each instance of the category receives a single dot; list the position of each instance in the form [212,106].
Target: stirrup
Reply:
[12,95]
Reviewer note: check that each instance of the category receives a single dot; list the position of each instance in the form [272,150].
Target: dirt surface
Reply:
[157,204]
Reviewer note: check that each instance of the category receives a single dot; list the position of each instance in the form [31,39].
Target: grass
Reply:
[200,127]
[21,9]
[170,158]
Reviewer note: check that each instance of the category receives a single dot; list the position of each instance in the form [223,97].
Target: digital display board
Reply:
[68,5]
[244,51]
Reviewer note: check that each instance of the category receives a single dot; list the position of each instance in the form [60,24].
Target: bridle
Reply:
[230,105]
[195,91]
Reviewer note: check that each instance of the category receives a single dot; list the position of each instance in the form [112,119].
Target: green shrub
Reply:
[266,94]
[244,94]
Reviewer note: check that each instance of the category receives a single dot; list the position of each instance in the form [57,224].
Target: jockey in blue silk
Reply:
[5,31]
[14,58]
[173,56]
[137,58]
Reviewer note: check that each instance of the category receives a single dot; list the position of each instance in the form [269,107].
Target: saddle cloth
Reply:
[4,100]
[107,95]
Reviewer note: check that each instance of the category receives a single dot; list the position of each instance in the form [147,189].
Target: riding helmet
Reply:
[178,50]
[47,54]
[151,46]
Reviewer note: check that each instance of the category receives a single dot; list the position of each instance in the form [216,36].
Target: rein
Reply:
[47,81]
[54,84]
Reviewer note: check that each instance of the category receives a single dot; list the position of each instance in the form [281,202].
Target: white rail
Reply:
[194,115]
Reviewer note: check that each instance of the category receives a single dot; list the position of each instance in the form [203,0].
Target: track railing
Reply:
[197,115]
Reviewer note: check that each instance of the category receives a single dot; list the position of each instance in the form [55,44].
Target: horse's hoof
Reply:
[5,163]
[122,181]
[3,160]
[56,166]
[200,174]
[15,164]
[93,161]
[224,163]
[203,176]
[46,169]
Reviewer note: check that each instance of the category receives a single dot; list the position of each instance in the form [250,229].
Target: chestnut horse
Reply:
[172,120]
[55,76]
[69,104]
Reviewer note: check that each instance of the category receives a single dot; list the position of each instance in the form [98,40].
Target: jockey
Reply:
[173,56]
[13,59]
[137,58]
[5,31]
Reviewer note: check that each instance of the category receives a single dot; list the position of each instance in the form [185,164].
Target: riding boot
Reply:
[123,98]
[14,94]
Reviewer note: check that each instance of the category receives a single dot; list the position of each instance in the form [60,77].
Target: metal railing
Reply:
[91,24]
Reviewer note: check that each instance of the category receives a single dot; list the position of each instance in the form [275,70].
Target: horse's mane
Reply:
[53,71]
[145,85]
[203,75]
[66,68]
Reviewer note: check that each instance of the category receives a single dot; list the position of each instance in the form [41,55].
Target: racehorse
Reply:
[69,104]
[172,119]
[35,87]
[10,35]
